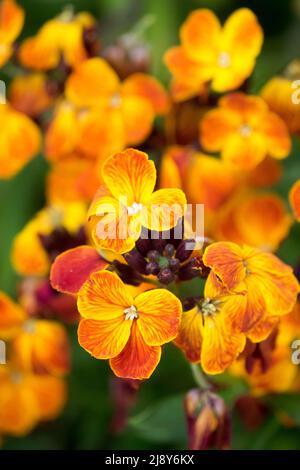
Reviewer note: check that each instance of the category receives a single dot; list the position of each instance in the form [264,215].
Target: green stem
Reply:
[199,377]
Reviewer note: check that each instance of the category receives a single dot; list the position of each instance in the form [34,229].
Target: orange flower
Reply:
[40,346]
[19,141]
[277,93]
[26,399]
[294,197]
[209,53]
[268,284]
[28,94]
[127,202]
[29,256]
[11,24]
[61,36]
[207,333]
[244,130]
[257,219]
[129,331]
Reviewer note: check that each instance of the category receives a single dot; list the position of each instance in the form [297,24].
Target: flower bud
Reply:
[152,268]
[136,261]
[153,255]
[174,264]
[182,253]
[165,276]
[169,250]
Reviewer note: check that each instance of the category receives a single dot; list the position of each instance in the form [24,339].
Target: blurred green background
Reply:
[157,420]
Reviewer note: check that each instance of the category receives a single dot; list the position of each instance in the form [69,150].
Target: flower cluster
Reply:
[115,248]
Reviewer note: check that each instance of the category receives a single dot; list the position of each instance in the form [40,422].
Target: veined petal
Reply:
[145,86]
[262,329]
[103,297]
[220,345]
[130,174]
[189,338]
[106,338]
[294,197]
[216,126]
[226,261]
[137,360]
[200,35]
[165,207]
[138,115]
[159,316]
[91,82]
[73,267]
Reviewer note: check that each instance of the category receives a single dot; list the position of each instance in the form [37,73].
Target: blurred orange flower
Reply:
[57,38]
[129,331]
[294,197]
[244,130]
[127,202]
[27,398]
[11,24]
[209,53]
[28,94]
[19,141]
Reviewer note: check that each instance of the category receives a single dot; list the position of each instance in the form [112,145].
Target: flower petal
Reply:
[50,395]
[11,317]
[137,360]
[11,21]
[164,209]
[73,267]
[103,297]
[138,116]
[294,197]
[189,338]
[159,316]
[216,126]
[245,152]
[277,136]
[145,86]
[106,338]
[262,329]
[130,174]
[188,72]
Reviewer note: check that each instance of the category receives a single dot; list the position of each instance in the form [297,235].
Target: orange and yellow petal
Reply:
[200,35]
[93,81]
[262,329]
[147,87]
[11,317]
[62,134]
[189,73]
[165,207]
[73,267]
[217,126]
[244,153]
[37,54]
[138,115]
[137,360]
[294,197]
[103,297]
[28,94]
[159,313]
[226,261]
[50,394]
[106,338]
[190,334]
[11,21]
[277,137]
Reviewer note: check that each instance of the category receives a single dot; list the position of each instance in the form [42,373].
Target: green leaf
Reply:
[289,403]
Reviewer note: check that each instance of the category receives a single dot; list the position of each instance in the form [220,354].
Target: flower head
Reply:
[125,329]
[11,24]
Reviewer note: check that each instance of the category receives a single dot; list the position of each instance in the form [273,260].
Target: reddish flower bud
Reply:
[165,276]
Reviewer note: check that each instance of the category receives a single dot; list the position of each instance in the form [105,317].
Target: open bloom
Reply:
[127,202]
[294,197]
[245,131]
[11,24]
[38,345]
[125,329]
[57,38]
[19,141]
[27,398]
[269,286]
[209,53]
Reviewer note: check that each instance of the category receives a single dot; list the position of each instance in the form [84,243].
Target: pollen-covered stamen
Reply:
[131,313]
[29,326]
[245,130]
[115,100]
[209,307]
[134,209]
[224,60]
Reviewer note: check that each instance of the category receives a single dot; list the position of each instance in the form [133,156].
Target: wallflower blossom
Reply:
[59,37]
[129,331]
[245,131]
[11,24]
[127,202]
[265,213]
[294,196]
[268,284]
[225,57]
[15,152]
[37,345]
[27,398]
[30,254]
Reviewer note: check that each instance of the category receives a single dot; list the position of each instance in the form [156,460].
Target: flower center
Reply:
[245,130]
[209,307]
[29,327]
[135,208]
[131,313]
[115,100]
[224,60]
